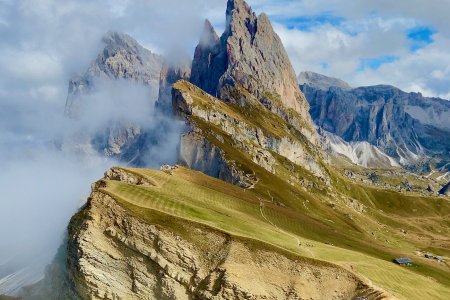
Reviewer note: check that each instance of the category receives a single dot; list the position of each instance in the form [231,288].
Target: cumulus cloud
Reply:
[342,36]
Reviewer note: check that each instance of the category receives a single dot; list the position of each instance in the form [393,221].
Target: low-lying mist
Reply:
[41,189]
[48,161]
[49,164]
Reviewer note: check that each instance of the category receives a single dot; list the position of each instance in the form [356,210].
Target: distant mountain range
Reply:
[411,129]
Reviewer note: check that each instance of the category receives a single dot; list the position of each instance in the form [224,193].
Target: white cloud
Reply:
[31,65]
[368,30]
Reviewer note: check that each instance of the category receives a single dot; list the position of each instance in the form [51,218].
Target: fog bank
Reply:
[48,161]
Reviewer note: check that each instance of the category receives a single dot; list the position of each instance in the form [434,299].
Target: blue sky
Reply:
[376,62]
[308,23]
[420,37]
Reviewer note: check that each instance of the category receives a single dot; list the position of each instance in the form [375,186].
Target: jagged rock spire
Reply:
[239,13]
[209,62]
[250,55]
[209,36]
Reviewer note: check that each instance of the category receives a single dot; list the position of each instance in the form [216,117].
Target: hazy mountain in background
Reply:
[124,84]
[321,82]
[122,58]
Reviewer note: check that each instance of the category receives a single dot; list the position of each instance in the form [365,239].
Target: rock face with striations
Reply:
[250,55]
[253,133]
[115,253]
[405,126]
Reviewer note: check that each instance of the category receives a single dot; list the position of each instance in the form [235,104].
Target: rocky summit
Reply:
[250,56]
[122,58]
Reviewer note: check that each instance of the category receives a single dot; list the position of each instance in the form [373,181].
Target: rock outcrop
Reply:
[113,254]
[214,126]
[250,56]
[405,126]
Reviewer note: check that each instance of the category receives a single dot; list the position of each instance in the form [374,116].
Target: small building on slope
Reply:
[403,261]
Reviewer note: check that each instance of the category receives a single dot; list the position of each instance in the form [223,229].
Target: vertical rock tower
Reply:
[249,61]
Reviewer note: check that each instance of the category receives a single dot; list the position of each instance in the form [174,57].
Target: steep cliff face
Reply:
[210,61]
[250,56]
[217,130]
[117,251]
[406,126]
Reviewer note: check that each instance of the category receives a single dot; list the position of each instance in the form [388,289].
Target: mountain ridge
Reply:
[406,126]
[320,81]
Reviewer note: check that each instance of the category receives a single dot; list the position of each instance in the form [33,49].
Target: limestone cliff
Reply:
[115,252]
[253,132]
[249,55]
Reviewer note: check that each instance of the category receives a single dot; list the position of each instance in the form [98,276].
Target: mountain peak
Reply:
[209,36]
[237,4]
[121,58]
[320,81]
[238,14]
[250,57]
[114,40]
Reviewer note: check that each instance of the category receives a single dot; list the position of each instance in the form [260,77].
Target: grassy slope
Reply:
[196,197]
[322,213]
[281,212]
